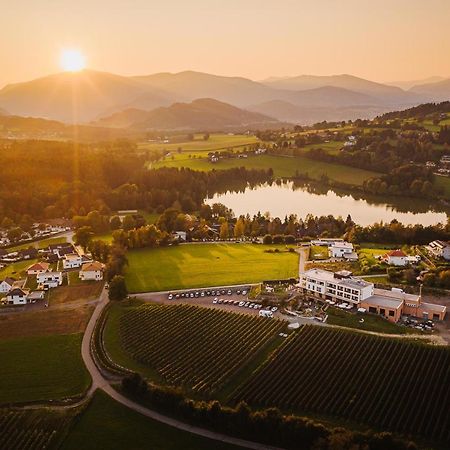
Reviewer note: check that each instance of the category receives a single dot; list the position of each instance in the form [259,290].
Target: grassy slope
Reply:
[43,243]
[200,265]
[108,425]
[282,167]
[41,368]
[16,270]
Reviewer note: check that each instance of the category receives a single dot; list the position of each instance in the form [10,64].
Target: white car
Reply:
[241,304]
[170,296]
[215,300]
[244,292]
[274,309]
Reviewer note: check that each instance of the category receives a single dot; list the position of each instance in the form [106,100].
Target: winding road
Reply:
[100,382]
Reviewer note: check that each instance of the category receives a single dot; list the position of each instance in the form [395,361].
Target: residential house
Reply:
[35,296]
[61,249]
[439,249]
[180,235]
[342,250]
[92,271]
[29,253]
[72,261]
[17,296]
[6,285]
[396,258]
[48,280]
[38,268]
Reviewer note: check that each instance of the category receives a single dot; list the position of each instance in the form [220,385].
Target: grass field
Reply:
[282,167]
[106,424]
[41,368]
[215,142]
[444,183]
[196,265]
[16,270]
[371,323]
[318,252]
[43,243]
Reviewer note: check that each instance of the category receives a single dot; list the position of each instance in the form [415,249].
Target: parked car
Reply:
[170,296]
[215,300]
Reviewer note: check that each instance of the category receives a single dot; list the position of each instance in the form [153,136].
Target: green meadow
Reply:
[197,265]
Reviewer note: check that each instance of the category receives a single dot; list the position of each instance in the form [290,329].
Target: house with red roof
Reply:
[396,258]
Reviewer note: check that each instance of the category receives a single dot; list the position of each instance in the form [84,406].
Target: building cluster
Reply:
[49,273]
[439,249]
[344,290]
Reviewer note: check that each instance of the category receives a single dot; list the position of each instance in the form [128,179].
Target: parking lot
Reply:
[228,298]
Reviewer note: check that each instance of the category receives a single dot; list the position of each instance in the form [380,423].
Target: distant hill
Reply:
[79,97]
[383,92]
[88,95]
[201,114]
[420,111]
[438,91]
[408,84]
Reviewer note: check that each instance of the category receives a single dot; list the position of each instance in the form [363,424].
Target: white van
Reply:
[265,313]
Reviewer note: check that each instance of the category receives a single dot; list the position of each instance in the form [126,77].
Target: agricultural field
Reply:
[106,424]
[31,429]
[198,348]
[201,265]
[389,384]
[214,143]
[41,368]
[282,167]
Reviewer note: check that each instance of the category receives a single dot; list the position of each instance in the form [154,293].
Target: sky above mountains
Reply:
[382,41]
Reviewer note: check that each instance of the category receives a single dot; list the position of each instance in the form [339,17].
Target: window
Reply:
[372,309]
[391,313]
[436,317]
[382,311]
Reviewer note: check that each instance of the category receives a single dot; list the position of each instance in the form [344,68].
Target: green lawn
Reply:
[16,270]
[318,252]
[106,424]
[444,183]
[282,167]
[41,368]
[371,323]
[106,237]
[215,142]
[196,265]
[43,243]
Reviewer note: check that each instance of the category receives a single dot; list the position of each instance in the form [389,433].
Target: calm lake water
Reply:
[284,199]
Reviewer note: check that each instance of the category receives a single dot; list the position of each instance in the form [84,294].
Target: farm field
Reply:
[388,384]
[282,167]
[195,347]
[44,322]
[197,265]
[32,429]
[106,424]
[215,142]
[41,368]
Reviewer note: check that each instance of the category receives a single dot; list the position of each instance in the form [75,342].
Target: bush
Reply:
[267,239]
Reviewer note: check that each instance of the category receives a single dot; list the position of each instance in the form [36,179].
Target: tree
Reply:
[115,223]
[224,230]
[239,228]
[267,239]
[117,288]
[128,223]
[83,236]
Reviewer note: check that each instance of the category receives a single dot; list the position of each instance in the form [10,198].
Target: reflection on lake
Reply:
[284,199]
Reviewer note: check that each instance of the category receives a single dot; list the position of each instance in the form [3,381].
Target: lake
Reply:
[284,199]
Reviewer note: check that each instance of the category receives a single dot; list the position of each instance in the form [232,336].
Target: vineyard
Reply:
[195,347]
[385,383]
[30,430]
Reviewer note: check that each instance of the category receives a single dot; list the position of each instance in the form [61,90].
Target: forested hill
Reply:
[418,112]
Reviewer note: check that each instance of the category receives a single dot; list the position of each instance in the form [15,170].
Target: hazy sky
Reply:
[376,39]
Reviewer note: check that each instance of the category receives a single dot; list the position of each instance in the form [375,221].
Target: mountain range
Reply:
[145,101]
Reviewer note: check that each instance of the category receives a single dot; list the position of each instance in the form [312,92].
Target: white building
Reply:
[72,261]
[6,285]
[17,296]
[340,249]
[92,271]
[339,286]
[396,258]
[48,280]
[327,241]
[439,249]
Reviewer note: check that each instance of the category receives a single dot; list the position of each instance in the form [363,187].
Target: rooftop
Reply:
[398,295]
[383,301]
[326,275]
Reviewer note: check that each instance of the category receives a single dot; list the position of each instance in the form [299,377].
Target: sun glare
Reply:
[72,60]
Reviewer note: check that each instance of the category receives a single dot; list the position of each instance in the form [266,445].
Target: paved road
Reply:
[99,382]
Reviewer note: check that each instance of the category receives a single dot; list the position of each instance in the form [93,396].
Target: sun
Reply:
[72,60]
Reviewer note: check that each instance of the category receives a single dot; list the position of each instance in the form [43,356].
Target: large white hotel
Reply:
[343,287]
